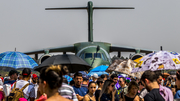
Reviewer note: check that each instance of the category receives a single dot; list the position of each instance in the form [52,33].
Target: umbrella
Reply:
[67,77]
[99,68]
[98,73]
[124,66]
[162,60]
[16,60]
[73,62]
[83,73]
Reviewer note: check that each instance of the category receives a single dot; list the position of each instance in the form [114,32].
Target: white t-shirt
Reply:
[28,91]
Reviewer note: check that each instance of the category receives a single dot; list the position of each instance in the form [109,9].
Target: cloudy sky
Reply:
[26,25]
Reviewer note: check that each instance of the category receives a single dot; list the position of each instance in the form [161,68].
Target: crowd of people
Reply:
[52,85]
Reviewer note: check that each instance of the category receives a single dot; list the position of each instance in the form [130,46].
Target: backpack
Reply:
[16,93]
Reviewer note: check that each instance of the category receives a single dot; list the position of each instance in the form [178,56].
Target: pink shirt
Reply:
[166,93]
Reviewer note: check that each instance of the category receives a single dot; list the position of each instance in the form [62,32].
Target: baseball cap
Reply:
[95,75]
[13,72]
[34,76]
[26,72]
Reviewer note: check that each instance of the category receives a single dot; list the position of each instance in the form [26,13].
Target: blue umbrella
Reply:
[100,68]
[67,77]
[98,73]
[16,60]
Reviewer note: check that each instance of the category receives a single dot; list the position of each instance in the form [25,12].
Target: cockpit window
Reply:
[88,55]
[97,55]
[104,57]
[82,55]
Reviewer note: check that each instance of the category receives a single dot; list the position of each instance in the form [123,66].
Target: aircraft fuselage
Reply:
[88,52]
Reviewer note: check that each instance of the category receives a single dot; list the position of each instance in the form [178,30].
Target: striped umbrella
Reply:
[16,60]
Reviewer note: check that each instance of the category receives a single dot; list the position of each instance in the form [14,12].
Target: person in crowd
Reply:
[6,77]
[72,83]
[50,81]
[29,92]
[142,92]
[160,78]
[149,80]
[177,95]
[104,76]
[132,91]
[128,80]
[108,92]
[165,92]
[13,77]
[137,80]
[123,90]
[65,72]
[79,90]
[35,83]
[2,95]
[90,93]
[172,83]
[114,77]
[20,77]
[85,82]
[94,77]
[168,83]
[141,86]
[100,83]
[67,91]
[173,86]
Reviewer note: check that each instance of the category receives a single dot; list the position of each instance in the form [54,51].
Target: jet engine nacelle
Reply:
[135,56]
[43,57]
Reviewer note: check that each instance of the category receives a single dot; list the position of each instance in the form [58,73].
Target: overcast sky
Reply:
[26,25]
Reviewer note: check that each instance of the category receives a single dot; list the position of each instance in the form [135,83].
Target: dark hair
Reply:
[65,80]
[52,75]
[123,79]
[26,72]
[131,84]
[77,74]
[140,83]
[100,80]
[64,69]
[178,74]
[90,84]
[85,79]
[150,75]
[114,76]
[13,72]
[158,73]
[71,82]
[105,87]
[102,76]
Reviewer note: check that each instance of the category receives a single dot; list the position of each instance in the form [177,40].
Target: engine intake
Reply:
[43,58]
[135,56]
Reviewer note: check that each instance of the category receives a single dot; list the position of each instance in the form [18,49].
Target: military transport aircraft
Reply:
[94,53]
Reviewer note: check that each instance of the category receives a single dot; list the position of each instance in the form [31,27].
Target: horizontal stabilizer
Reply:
[70,8]
[113,8]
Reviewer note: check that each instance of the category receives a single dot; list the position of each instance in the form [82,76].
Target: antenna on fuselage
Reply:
[90,9]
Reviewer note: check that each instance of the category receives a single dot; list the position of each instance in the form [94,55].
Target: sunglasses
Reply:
[112,85]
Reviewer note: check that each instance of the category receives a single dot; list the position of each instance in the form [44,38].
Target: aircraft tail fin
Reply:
[90,9]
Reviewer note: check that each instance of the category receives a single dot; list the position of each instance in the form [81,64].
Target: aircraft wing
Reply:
[129,49]
[57,49]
